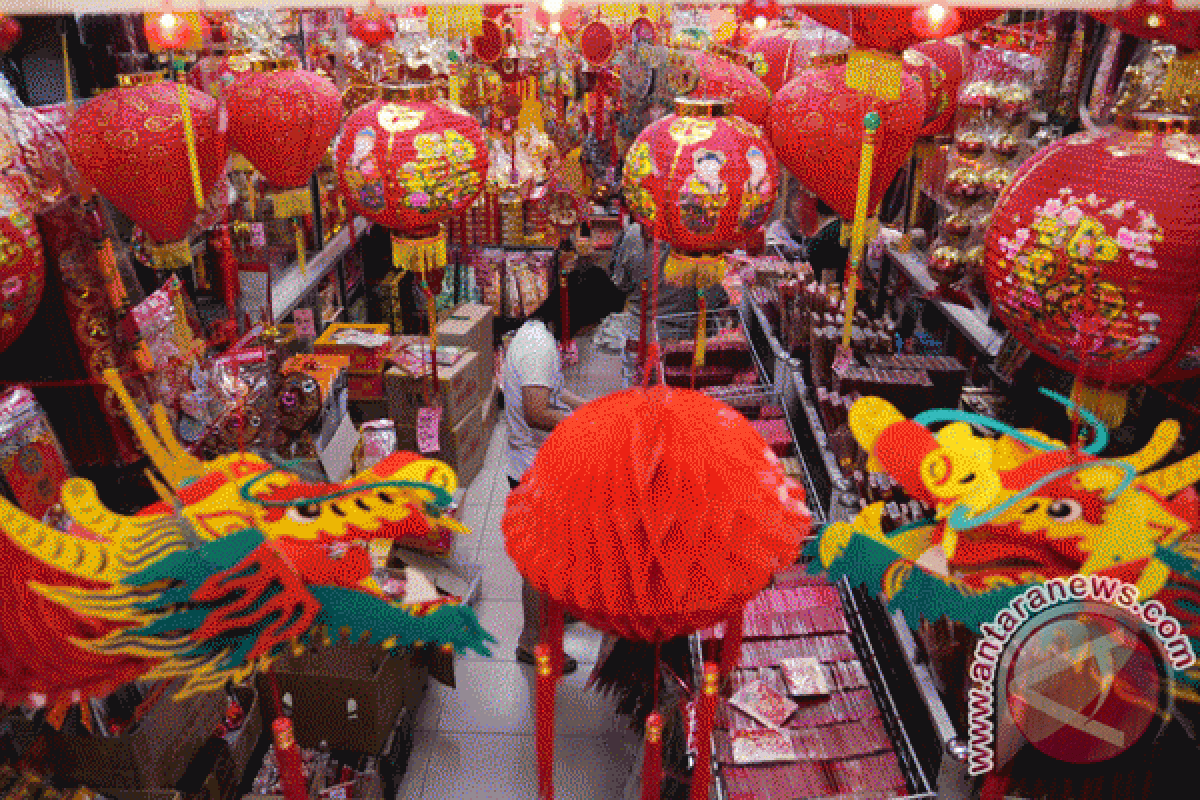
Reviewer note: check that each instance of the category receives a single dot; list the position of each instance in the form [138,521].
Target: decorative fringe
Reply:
[627,674]
[706,707]
[731,645]
[694,272]
[431,310]
[189,135]
[419,255]
[288,756]
[652,760]
[547,677]
[1108,405]
[701,328]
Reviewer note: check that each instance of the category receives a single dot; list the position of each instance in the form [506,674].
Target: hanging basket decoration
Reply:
[704,181]
[133,144]
[22,268]
[1092,251]
[282,119]
[408,161]
[706,75]
[954,58]
[816,127]
[891,28]
[597,43]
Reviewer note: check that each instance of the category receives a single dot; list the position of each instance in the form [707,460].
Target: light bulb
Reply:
[552,6]
[556,27]
[760,22]
[937,15]
[168,22]
[1154,20]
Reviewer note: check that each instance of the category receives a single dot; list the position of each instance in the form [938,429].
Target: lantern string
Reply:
[67,82]
[189,135]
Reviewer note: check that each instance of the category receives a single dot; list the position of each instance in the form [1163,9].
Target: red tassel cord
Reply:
[288,755]
[731,645]
[564,334]
[546,680]
[645,331]
[652,760]
[706,708]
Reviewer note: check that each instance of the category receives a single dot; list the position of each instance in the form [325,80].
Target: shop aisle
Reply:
[477,742]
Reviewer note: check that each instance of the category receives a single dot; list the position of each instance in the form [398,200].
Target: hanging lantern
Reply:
[816,127]
[282,120]
[891,28]
[705,75]
[932,82]
[408,161]
[1156,20]
[10,32]
[953,56]
[779,54]
[702,180]
[597,43]
[22,269]
[215,74]
[136,146]
[1092,251]
[373,27]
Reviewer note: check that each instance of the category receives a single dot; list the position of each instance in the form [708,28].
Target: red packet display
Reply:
[762,747]
[32,462]
[763,703]
[803,677]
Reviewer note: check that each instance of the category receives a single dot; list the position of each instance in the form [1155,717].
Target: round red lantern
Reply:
[932,81]
[891,28]
[10,32]
[282,120]
[704,181]
[781,53]
[408,161]
[708,75]
[373,27]
[1157,21]
[953,56]
[1092,251]
[131,143]
[22,269]
[816,126]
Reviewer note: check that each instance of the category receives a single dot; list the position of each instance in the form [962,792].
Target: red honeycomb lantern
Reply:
[702,180]
[1092,251]
[282,120]
[892,28]
[816,126]
[408,161]
[22,269]
[131,144]
[954,58]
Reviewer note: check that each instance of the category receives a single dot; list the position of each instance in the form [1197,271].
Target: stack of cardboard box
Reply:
[367,347]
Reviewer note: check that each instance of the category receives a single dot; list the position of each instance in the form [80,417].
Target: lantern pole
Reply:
[871,124]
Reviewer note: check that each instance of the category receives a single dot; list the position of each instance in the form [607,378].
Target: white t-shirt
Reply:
[532,360]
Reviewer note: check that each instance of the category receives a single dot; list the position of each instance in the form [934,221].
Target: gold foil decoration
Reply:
[172,255]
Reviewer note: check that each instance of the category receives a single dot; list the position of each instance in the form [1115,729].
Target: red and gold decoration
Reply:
[933,84]
[408,161]
[816,127]
[10,32]
[22,268]
[895,28]
[1092,249]
[954,58]
[169,30]
[702,180]
[1156,20]
[154,150]
[372,27]
[703,74]
[607,526]
[282,120]
[780,53]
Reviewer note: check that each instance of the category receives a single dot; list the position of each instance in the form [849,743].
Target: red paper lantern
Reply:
[1092,252]
[408,161]
[654,513]
[933,84]
[10,32]
[703,181]
[597,43]
[22,269]
[282,120]
[753,10]
[373,27]
[954,58]
[168,30]
[783,52]
[890,27]
[717,77]
[816,126]
[1158,21]
[131,145]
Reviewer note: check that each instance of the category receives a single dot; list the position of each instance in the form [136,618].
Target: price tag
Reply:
[429,422]
[306,326]
[877,74]
[842,361]
[258,235]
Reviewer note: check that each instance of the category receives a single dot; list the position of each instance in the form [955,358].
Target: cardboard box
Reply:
[339,339]
[471,326]
[154,754]
[463,446]
[459,391]
[349,696]
[365,385]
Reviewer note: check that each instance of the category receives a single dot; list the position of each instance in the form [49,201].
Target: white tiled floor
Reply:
[476,742]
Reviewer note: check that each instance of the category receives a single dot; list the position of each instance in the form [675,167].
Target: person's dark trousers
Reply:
[531,606]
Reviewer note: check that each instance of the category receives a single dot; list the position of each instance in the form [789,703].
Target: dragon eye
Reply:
[1065,510]
[305,512]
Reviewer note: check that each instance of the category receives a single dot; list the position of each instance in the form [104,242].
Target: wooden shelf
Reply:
[290,288]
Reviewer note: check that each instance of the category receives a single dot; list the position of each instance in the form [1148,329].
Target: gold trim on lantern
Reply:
[694,270]
[171,255]
[128,80]
[274,64]
[826,60]
[392,92]
[419,255]
[703,107]
[1157,122]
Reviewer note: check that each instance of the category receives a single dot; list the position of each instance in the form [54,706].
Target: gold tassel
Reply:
[1108,405]
[301,247]
[189,134]
[67,74]
[701,328]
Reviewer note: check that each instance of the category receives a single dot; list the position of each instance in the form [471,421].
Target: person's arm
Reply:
[535,400]
[571,399]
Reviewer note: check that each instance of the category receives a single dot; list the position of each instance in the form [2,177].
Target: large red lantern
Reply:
[717,77]
[1092,252]
[954,58]
[932,81]
[373,27]
[282,120]
[1156,20]
[132,144]
[816,126]
[782,52]
[702,180]
[22,268]
[892,28]
[408,161]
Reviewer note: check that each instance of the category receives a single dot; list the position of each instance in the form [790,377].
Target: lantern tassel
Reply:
[301,248]
[547,678]
[706,707]
[1108,405]
[565,333]
[189,134]
[645,328]
[652,758]
[701,327]
[731,644]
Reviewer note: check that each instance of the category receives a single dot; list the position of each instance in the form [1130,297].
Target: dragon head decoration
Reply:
[1015,510]
[241,562]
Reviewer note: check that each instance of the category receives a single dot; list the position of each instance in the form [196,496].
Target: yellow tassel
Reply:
[189,134]
[301,246]
[701,331]
[1109,406]
[67,74]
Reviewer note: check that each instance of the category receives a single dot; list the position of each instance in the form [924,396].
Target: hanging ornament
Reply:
[1156,20]
[154,150]
[932,82]
[705,75]
[489,45]
[408,161]
[373,27]
[597,43]
[282,120]
[953,56]
[214,74]
[891,28]
[1092,249]
[704,181]
[10,32]
[22,268]
[171,31]
[815,124]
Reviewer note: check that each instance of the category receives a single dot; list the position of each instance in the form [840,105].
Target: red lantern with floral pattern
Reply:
[1156,20]
[891,28]
[132,144]
[816,126]
[704,181]
[22,268]
[1092,252]
[408,161]
[282,120]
